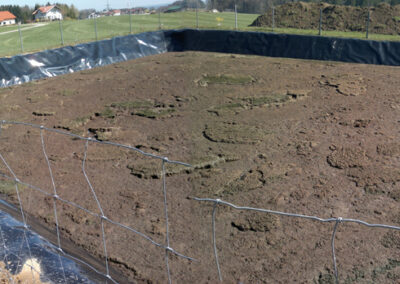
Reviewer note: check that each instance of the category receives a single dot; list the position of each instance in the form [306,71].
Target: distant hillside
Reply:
[385,19]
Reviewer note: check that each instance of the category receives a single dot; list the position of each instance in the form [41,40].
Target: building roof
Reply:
[5,15]
[44,9]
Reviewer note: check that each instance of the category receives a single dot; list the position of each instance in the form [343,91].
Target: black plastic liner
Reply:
[24,68]
[21,248]
[284,45]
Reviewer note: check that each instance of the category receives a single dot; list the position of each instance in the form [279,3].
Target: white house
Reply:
[48,13]
[7,18]
[93,15]
[111,13]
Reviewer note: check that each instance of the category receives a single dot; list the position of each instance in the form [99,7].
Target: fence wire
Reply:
[102,217]
[337,221]
[307,18]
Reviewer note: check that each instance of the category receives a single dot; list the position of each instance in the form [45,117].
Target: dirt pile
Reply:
[384,19]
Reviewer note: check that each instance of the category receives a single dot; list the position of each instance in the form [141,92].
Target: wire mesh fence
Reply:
[337,221]
[380,22]
[101,215]
[97,211]
[40,263]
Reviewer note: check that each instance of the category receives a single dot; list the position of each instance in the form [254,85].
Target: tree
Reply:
[68,12]
[23,14]
[26,13]
[243,6]
[84,14]
[72,13]
[189,4]
[211,4]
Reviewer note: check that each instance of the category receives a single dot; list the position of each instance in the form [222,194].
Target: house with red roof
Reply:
[7,18]
[112,13]
[116,12]
[48,13]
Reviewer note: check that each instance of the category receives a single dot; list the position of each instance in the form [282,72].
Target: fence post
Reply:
[367,25]
[95,27]
[197,14]
[20,37]
[273,18]
[236,18]
[159,18]
[61,32]
[130,20]
[320,21]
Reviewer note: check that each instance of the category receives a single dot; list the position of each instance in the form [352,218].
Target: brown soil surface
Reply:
[308,137]
[384,19]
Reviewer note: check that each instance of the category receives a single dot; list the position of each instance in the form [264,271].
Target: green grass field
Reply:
[79,31]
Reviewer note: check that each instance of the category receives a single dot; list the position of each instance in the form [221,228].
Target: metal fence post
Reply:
[61,32]
[273,18]
[130,20]
[20,37]
[367,25]
[197,14]
[95,27]
[236,18]
[159,19]
[320,21]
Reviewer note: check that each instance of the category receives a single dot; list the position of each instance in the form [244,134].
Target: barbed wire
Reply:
[337,221]
[102,217]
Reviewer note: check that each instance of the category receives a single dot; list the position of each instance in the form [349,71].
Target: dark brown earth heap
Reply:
[384,19]
[307,137]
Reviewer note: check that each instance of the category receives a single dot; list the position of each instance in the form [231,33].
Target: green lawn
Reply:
[78,31]
[9,28]
[359,35]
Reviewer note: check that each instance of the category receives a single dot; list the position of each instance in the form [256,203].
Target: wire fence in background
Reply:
[275,18]
[102,217]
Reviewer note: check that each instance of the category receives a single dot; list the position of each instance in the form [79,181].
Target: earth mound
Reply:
[384,18]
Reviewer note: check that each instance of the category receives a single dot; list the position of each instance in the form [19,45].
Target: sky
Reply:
[88,4]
